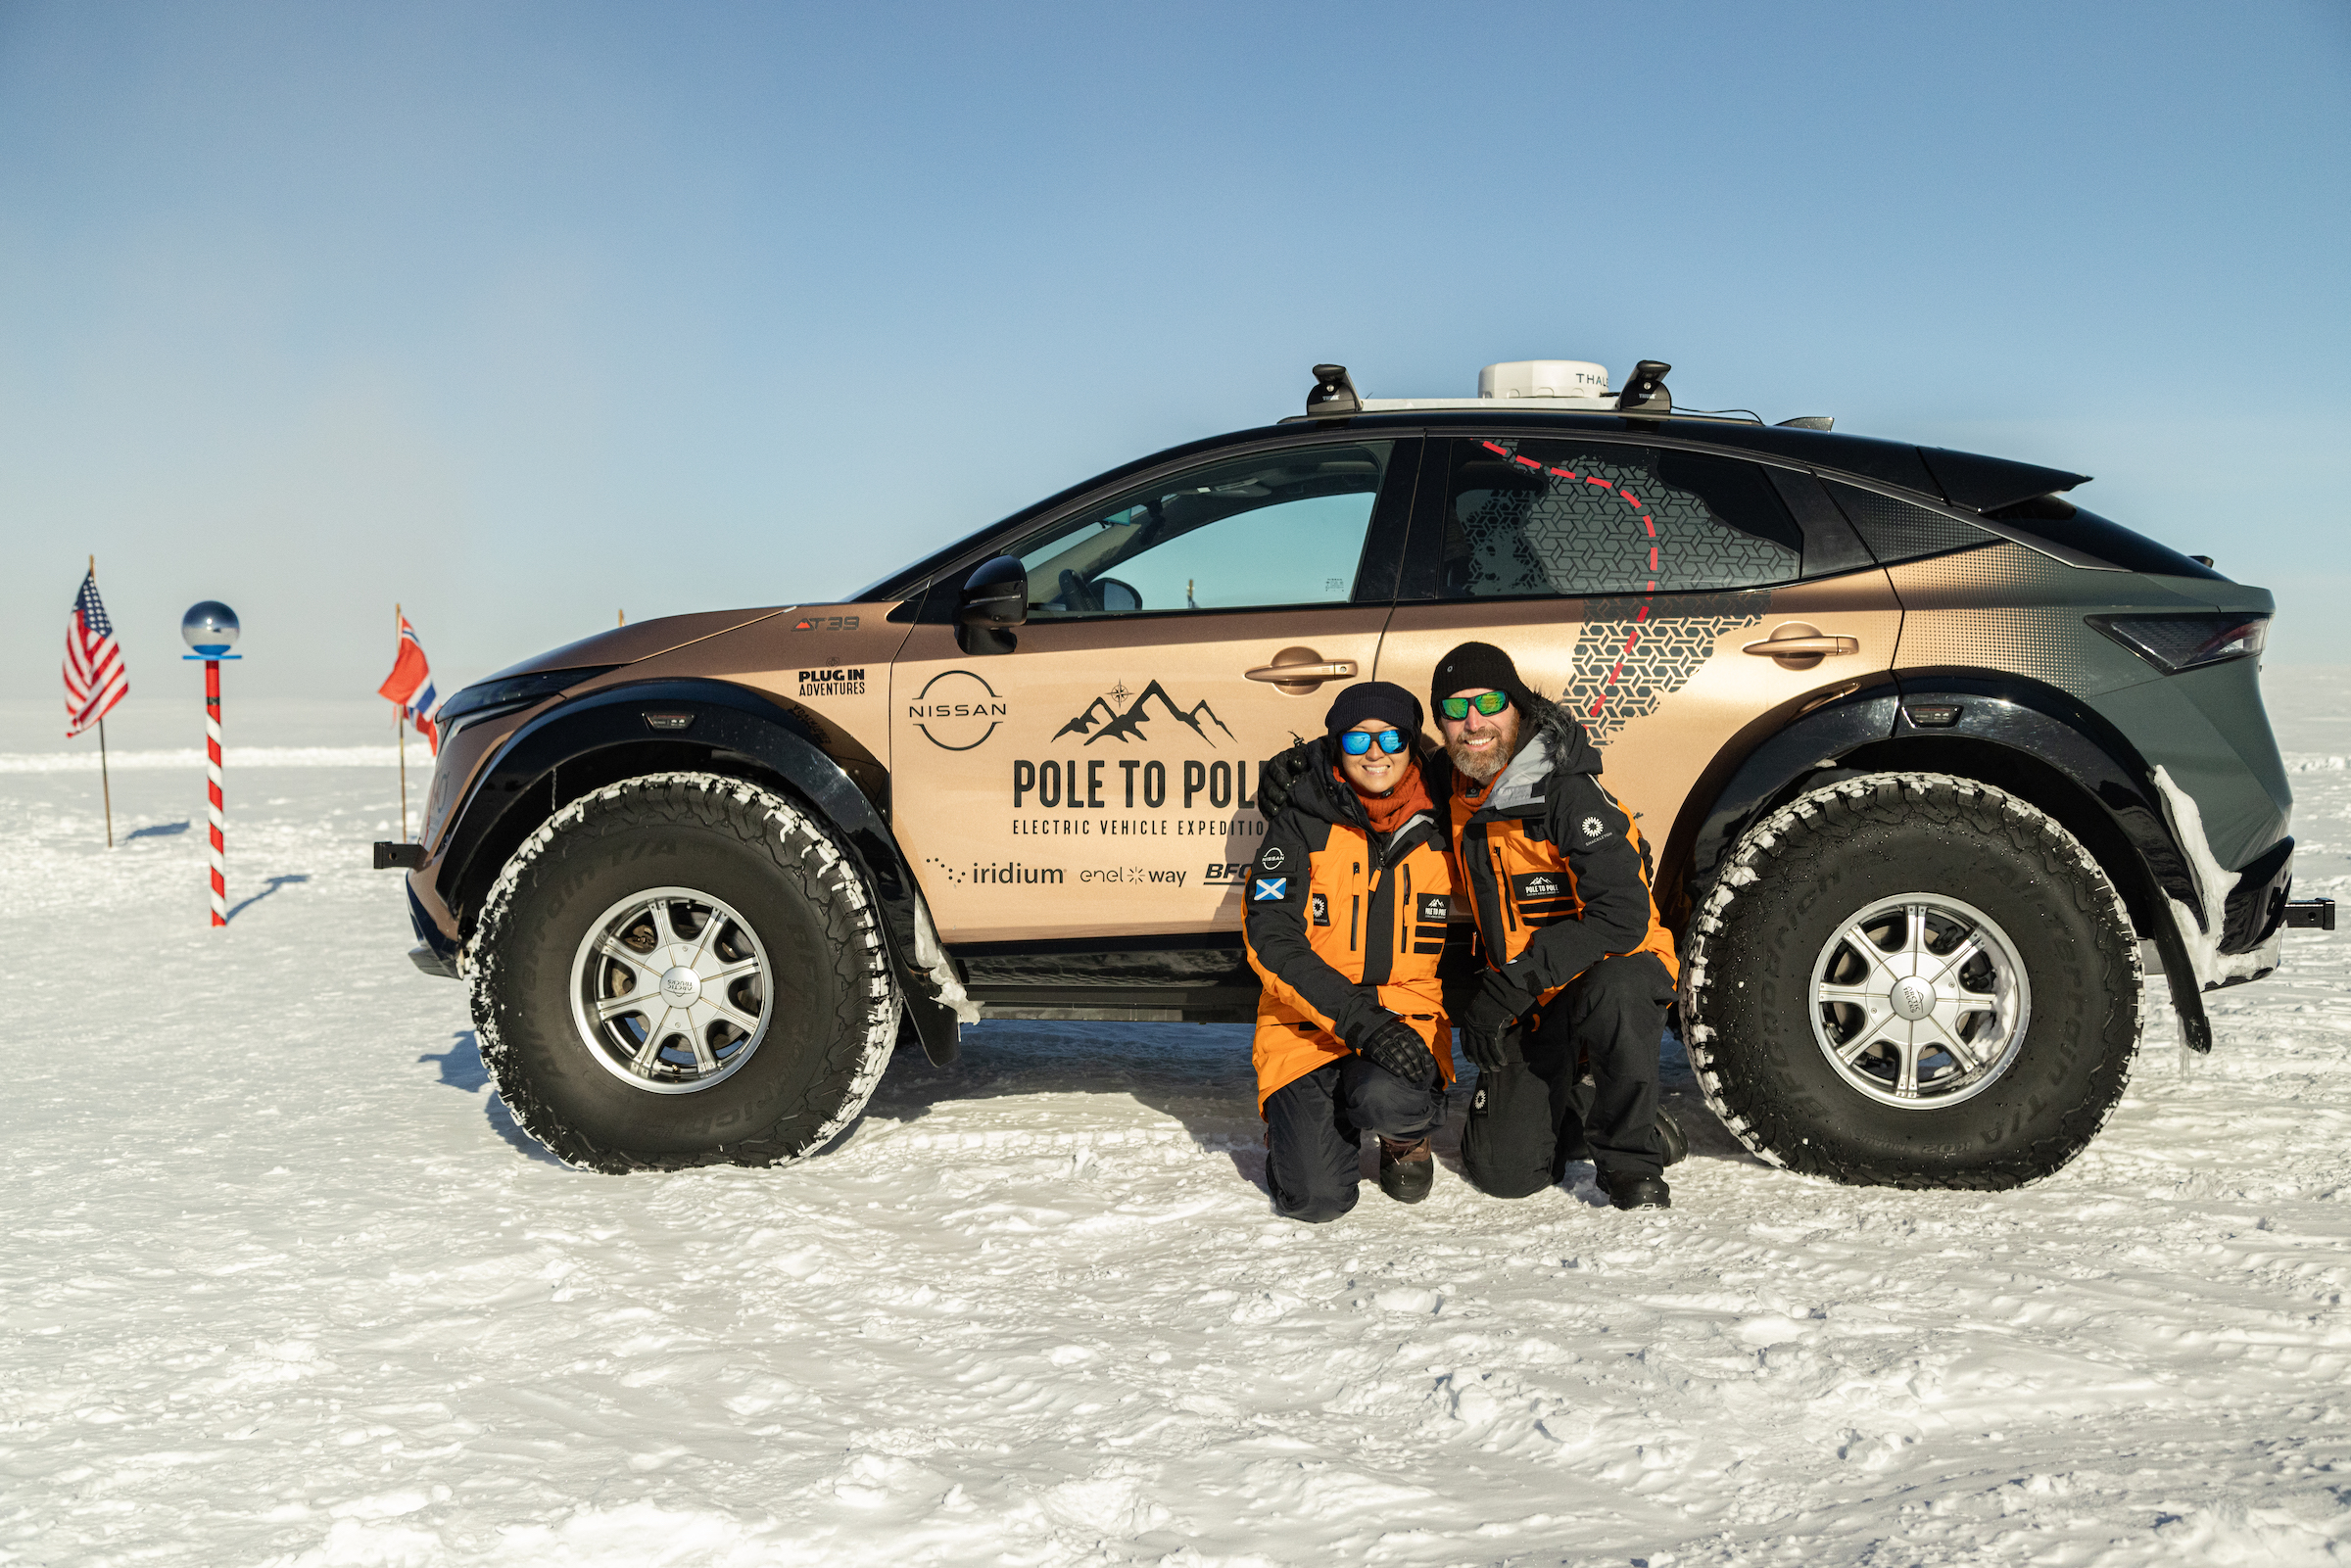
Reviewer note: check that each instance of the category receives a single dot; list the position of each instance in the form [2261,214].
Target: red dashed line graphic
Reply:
[1648,523]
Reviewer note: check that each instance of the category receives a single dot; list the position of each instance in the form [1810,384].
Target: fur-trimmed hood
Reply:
[1559,744]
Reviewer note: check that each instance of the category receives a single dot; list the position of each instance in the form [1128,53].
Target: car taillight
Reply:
[2175,642]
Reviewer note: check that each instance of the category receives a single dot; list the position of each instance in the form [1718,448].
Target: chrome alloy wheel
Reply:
[671,990]
[1920,1001]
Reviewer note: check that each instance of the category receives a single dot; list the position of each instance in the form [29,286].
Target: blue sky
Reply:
[524,313]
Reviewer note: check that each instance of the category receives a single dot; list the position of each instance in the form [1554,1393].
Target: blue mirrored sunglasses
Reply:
[1355,742]
[1488,703]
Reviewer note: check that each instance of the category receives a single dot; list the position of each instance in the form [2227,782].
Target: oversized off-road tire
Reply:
[1913,981]
[681,970]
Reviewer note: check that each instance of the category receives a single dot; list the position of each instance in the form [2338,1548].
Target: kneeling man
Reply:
[1579,969]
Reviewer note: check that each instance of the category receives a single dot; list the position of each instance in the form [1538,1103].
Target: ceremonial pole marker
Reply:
[210,629]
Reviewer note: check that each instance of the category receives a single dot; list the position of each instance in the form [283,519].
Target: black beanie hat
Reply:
[1374,699]
[1479,666]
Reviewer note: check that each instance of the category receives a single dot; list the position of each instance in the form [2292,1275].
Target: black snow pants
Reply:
[1527,1122]
[1314,1128]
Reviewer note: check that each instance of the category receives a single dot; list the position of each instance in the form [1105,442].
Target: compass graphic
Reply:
[1119,692]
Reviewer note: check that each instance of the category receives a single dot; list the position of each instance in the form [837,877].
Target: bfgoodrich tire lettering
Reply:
[830,1022]
[1799,877]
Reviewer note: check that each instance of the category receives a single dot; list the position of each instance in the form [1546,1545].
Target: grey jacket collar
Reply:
[1521,783]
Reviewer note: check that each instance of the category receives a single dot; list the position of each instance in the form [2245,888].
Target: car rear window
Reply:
[2061,522]
[1531,517]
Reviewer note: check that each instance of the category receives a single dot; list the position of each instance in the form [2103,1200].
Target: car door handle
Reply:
[1295,671]
[1798,648]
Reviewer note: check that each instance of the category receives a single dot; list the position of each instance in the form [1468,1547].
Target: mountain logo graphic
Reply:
[1100,720]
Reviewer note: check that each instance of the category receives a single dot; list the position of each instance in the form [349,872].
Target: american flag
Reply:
[410,685]
[95,680]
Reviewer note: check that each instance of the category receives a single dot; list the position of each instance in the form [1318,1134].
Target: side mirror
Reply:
[995,599]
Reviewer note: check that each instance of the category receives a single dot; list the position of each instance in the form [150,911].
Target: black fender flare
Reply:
[726,723]
[2002,720]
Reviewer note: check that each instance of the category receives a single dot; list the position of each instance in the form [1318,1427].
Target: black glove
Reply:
[1499,1000]
[1492,1048]
[1391,1043]
[1276,776]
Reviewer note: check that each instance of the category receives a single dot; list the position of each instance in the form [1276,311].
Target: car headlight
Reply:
[2175,642]
[487,698]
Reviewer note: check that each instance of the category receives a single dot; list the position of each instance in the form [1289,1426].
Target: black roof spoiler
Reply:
[1987,484]
[1962,478]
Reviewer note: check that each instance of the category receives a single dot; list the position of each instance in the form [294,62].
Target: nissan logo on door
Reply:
[956,710]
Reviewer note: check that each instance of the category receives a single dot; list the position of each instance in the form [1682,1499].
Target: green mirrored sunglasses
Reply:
[1488,703]
[1355,743]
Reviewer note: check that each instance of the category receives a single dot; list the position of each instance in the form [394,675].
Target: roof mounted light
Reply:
[1334,394]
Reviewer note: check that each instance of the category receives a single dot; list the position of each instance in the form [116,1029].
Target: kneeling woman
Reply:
[1345,918]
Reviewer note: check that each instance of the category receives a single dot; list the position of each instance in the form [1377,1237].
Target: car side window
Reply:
[1531,517]
[1899,531]
[1270,529]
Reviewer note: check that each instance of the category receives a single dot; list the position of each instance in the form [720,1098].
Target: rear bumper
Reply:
[2262,903]
[2256,906]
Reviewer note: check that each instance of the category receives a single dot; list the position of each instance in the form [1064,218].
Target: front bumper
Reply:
[432,963]
[437,950]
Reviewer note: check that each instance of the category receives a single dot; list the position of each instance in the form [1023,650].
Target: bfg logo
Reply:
[957,710]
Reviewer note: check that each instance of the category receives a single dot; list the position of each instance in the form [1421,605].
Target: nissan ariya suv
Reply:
[1938,765]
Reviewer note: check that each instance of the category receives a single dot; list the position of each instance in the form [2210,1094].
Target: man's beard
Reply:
[1487,765]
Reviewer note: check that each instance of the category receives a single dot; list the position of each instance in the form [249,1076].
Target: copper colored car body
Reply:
[1041,772]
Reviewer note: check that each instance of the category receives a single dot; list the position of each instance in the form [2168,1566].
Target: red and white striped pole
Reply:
[209,629]
[215,806]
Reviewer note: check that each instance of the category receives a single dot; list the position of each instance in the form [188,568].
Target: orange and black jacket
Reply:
[1343,923]
[1557,873]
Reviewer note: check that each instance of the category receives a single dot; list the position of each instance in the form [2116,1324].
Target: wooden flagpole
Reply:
[106,785]
[400,728]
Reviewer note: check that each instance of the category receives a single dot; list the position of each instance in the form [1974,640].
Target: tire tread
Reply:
[1753,1109]
[805,857]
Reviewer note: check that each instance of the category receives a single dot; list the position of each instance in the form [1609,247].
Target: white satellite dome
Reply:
[1544,378]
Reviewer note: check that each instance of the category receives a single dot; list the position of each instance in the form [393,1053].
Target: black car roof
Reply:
[1964,479]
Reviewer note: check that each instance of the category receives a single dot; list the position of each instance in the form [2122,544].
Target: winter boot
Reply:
[1669,1133]
[1634,1192]
[1406,1170]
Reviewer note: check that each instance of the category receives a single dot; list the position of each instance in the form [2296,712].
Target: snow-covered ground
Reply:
[284,1284]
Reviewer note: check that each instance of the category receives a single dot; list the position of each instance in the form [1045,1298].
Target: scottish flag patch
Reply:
[1270,888]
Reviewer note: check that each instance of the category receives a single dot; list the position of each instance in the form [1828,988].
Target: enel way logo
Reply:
[956,710]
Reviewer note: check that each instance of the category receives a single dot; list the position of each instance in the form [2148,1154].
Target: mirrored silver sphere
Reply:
[209,628]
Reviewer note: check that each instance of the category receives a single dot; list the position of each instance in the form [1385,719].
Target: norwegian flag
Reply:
[95,680]
[410,685]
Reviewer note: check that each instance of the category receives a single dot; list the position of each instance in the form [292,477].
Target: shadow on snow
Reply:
[463,1069]
[275,882]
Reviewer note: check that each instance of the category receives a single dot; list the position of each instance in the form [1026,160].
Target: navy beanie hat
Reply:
[1475,667]
[1374,699]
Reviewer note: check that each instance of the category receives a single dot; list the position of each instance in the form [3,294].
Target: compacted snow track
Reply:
[285,1284]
